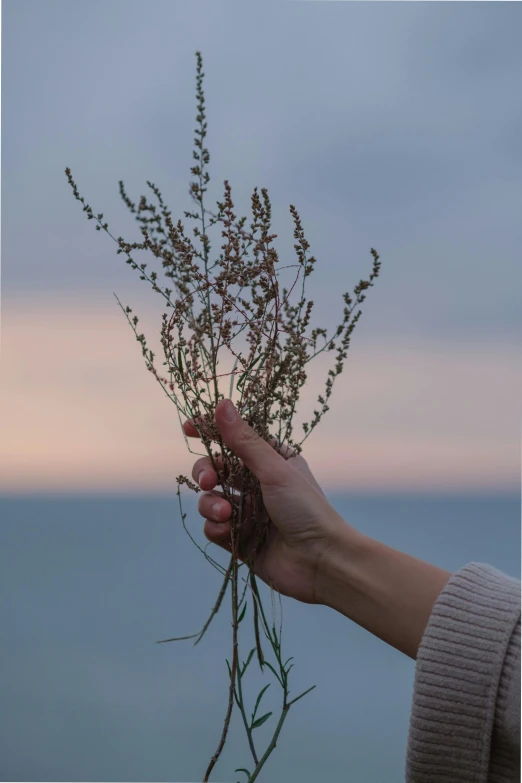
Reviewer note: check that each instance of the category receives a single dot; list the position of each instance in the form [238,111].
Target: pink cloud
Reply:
[79,411]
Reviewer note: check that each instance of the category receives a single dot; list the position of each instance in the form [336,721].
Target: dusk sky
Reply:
[392,125]
[387,125]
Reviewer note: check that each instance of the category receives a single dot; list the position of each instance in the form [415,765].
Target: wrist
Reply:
[387,592]
[337,572]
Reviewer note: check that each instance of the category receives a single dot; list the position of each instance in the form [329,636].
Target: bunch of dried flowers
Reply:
[266,382]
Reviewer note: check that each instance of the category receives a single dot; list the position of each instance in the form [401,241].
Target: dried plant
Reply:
[268,379]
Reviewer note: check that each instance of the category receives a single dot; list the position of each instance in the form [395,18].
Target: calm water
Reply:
[88,586]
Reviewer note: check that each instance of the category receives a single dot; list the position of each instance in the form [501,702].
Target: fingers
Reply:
[214,507]
[203,471]
[216,511]
[253,450]
[259,456]
[190,430]
[204,474]
[218,533]
[283,449]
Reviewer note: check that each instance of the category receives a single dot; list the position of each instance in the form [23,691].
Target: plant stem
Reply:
[272,745]
[245,720]
[233,672]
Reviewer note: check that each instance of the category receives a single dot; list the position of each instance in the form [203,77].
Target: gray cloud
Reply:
[387,125]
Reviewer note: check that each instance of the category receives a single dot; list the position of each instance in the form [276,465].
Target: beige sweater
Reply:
[465,718]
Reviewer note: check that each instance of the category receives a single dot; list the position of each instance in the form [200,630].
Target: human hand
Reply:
[302,525]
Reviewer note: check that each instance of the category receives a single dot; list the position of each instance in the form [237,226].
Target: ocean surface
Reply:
[88,584]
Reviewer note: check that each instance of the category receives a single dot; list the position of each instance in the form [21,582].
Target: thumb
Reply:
[261,459]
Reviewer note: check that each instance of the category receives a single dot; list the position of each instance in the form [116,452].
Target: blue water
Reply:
[89,584]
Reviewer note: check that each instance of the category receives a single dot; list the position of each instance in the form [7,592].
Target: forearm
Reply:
[387,592]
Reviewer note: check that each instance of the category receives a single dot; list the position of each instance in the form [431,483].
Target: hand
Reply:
[302,525]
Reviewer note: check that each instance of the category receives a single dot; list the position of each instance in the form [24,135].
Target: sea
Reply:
[89,584]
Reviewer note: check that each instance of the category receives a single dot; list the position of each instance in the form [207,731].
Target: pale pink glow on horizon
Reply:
[79,411]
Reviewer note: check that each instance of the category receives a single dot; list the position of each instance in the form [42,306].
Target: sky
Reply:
[387,125]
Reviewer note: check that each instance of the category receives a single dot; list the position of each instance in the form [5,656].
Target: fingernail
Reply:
[200,477]
[216,509]
[229,412]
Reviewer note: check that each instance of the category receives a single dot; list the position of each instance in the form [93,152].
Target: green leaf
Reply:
[242,614]
[250,654]
[260,721]
[258,700]
[266,663]
[244,375]
[301,695]
[180,364]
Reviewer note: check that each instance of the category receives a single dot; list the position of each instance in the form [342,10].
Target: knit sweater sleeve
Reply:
[465,718]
